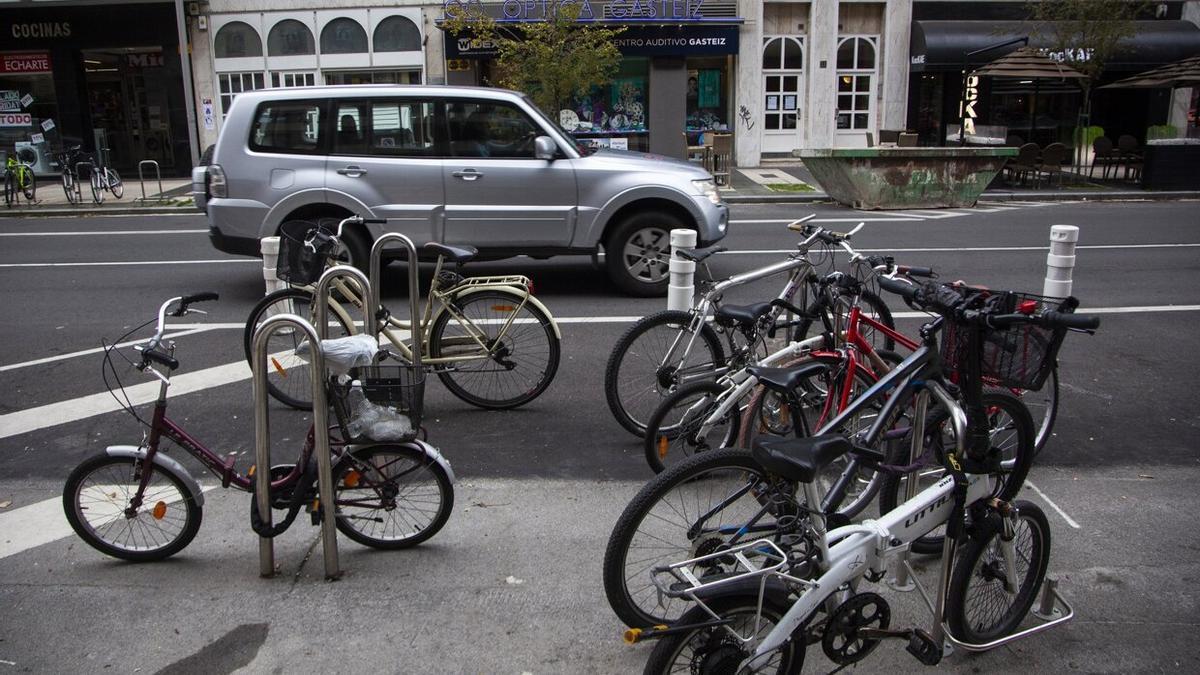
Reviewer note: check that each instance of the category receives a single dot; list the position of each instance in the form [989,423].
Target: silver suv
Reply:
[457,165]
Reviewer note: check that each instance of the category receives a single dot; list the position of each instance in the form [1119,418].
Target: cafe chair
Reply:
[721,157]
[1130,155]
[1024,163]
[1051,163]
[1103,156]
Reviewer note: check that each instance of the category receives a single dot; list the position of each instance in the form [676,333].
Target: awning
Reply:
[1027,62]
[942,45]
[1185,73]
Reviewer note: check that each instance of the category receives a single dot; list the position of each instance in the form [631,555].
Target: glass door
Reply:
[783,89]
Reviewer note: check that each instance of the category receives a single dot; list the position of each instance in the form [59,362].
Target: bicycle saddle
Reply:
[458,254]
[799,459]
[786,379]
[745,315]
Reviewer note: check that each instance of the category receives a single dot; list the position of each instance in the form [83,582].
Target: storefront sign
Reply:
[145,60]
[16,120]
[634,41]
[29,64]
[42,29]
[589,10]
[966,109]
[10,100]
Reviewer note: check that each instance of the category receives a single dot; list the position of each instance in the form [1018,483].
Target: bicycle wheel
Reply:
[521,357]
[10,188]
[97,183]
[115,186]
[771,417]
[871,305]
[669,520]
[68,185]
[28,184]
[288,378]
[96,500]
[1011,431]
[636,377]
[981,604]
[1043,407]
[684,412]
[714,649]
[391,496]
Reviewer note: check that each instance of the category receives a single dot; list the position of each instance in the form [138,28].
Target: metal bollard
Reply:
[1060,262]
[269,247]
[142,177]
[682,285]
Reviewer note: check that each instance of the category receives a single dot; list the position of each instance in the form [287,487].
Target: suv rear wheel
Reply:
[638,252]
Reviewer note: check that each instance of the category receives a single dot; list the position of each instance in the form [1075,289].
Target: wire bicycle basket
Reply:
[1019,356]
[305,249]
[391,407]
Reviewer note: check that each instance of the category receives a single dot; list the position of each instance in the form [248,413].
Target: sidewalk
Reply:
[51,200]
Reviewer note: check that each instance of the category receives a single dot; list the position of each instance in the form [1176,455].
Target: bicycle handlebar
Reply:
[947,301]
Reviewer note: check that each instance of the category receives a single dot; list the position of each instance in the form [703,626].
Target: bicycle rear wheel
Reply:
[115,186]
[68,185]
[288,378]
[713,649]
[97,183]
[391,496]
[10,188]
[672,432]
[28,184]
[491,362]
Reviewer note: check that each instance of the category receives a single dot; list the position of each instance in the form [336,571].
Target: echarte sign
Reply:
[589,10]
[29,64]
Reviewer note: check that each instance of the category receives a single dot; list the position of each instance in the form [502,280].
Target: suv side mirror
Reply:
[544,148]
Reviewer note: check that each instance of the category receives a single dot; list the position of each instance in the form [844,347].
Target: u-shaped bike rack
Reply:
[414,287]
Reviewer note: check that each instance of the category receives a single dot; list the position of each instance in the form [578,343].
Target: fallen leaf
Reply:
[513,581]
[5,504]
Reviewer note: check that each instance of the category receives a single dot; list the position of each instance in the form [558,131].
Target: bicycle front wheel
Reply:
[96,500]
[288,378]
[97,183]
[982,603]
[29,184]
[692,509]
[639,374]
[68,185]
[10,188]
[684,412]
[391,496]
[501,354]
[115,186]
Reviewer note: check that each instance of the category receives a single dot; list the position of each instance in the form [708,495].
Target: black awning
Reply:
[942,45]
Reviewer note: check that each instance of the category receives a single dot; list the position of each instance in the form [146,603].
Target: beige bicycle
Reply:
[490,341]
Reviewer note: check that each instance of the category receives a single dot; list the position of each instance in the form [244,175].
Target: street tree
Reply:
[553,59]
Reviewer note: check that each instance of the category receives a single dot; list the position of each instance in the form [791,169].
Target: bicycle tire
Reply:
[673,413]
[370,481]
[711,654]
[97,186]
[68,185]
[115,186]
[633,388]
[29,184]
[660,505]
[976,568]
[288,379]
[517,356]
[868,483]
[1043,407]
[1022,459]
[10,188]
[83,499]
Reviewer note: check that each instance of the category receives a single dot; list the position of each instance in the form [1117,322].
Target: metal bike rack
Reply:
[414,286]
[902,581]
[321,298]
[142,178]
[91,166]
[262,443]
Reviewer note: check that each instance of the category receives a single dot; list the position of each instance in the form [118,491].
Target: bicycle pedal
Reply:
[922,646]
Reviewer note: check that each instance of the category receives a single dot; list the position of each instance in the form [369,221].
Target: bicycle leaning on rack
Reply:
[777,596]
[137,503]
[68,162]
[18,180]
[103,179]
[490,341]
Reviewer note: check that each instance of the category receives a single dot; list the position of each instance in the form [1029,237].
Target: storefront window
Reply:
[373,77]
[707,94]
[237,40]
[290,38]
[615,112]
[232,84]
[28,108]
[293,79]
[856,70]
[343,36]
[397,34]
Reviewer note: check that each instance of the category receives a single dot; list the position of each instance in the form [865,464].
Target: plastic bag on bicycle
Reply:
[344,353]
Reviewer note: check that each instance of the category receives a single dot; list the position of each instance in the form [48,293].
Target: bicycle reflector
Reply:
[1027,307]
[160,510]
[503,308]
[279,366]
[663,445]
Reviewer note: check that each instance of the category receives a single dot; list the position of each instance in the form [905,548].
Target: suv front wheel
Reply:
[638,252]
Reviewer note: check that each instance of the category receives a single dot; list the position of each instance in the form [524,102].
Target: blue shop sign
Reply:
[633,41]
[606,11]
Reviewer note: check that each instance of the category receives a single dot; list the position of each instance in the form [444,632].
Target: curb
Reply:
[113,211]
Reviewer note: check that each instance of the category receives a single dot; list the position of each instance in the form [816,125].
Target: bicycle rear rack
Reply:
[681,572]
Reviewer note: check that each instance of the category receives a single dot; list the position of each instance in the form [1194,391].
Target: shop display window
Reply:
[707,95]
[620,107]
[27,106]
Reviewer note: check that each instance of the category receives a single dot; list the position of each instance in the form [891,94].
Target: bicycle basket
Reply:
[1020,356]
[392,409]
[304,250]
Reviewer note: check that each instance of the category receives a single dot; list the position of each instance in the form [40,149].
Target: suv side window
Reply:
[490,129]
[292,127]
[391,127]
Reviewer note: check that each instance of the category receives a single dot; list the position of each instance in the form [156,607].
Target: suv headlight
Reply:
[708,188]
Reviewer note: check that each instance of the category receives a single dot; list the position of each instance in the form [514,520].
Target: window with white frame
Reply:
[855,82]
[282,79]
[232,84]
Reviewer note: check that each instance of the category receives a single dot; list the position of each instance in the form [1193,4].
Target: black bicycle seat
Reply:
[799,459]
[744,315]
[786,379]
[458,254]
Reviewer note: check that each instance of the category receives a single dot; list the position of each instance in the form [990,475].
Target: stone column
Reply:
[667,116]
[435,53]
[204,83]
[821,72]
[1182,98]
[897,28]
[748,97]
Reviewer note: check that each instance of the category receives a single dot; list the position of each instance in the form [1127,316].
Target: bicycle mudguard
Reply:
[429,451]
[504,288]
[168,464]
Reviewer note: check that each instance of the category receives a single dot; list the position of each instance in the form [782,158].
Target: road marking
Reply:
[1070,521]
[95,350]
[136,262]
[93,233]
[966,249]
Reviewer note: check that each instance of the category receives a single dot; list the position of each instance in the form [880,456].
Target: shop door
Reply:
[128,98]
[856,70]
[783,91]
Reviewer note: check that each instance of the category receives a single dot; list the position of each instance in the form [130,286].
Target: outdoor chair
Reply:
[1130,155]
[1052,162]
[1014,141]
[907,140]
[722,157]
[691,152]
[1104,156]
[1024,163]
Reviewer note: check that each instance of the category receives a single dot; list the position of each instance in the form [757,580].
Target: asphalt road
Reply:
[1123,464]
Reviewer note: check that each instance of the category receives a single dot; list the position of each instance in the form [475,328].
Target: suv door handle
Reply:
[352,171]
[467,174]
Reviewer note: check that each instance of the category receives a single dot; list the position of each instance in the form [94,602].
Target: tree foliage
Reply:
[1085,34]
[553,60]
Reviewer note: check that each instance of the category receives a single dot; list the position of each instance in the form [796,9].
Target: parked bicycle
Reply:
[490,341]
[68,162]
[18,180]
[761,615]
[137,503]
[103,178]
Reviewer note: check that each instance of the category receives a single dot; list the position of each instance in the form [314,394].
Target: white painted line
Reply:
[85,352]
[1139,310]
[93,233]
[256,261]
[1054,506]
[965,249]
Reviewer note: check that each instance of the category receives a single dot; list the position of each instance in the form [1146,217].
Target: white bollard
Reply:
[1060,262]
[682,285]
[269,246]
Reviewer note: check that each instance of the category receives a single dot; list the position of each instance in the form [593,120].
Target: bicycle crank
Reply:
[846,641]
